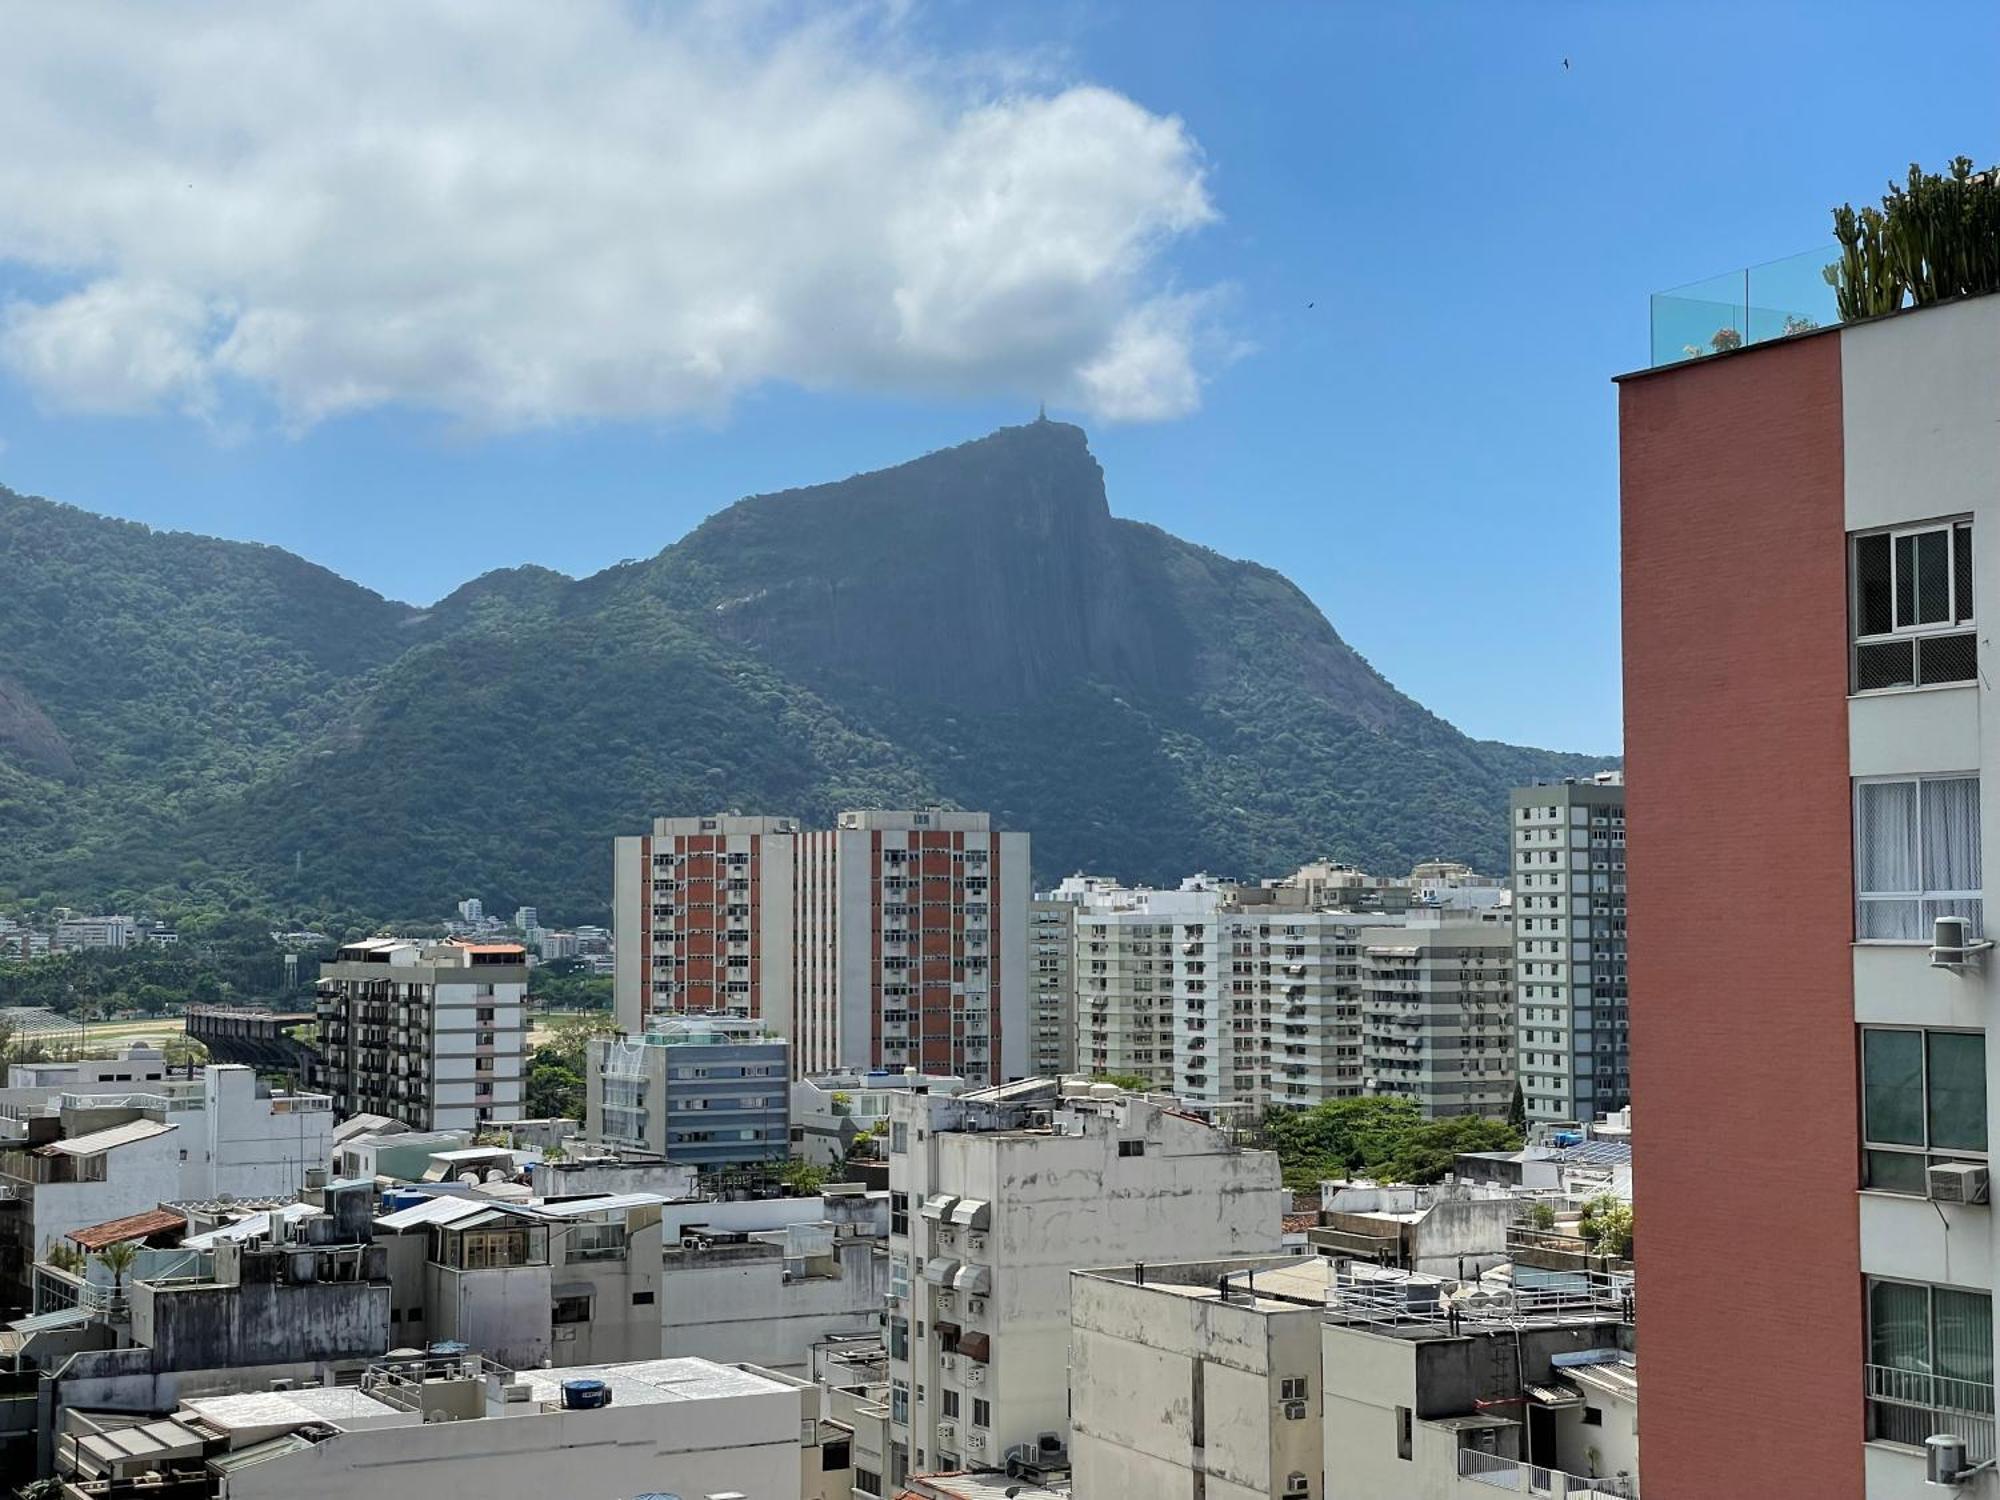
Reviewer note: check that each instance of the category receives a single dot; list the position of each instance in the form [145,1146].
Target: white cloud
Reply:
[522,213]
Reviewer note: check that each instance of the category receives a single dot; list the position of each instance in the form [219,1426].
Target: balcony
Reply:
[1753,305]
[1507,1474]
[1907,1406]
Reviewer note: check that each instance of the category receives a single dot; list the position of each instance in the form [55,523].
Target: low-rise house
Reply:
[416,1429]
[568,1283]
[1436,1389]
[1445,1229]
[1198,1378]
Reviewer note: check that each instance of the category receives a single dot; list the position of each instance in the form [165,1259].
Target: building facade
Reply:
[434,1035]
[1823,507]
[995,1197]
[1052,986]
[1437,1014]
[705,1090]
[1571,1023]
[893,939]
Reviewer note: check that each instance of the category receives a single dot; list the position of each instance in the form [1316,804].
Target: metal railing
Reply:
[1907,1406]
[1392,1302]
[1533,1479]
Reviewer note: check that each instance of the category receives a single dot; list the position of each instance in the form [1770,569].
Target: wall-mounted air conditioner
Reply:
[1958,1182]
[1952,944]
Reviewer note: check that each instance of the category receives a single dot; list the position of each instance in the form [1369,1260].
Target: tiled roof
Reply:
[131,1227]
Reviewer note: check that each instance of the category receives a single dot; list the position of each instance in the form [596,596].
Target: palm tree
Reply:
[117,1259]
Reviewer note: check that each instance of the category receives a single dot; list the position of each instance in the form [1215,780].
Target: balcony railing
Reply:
[1907,1406]
[1532,1479]
[1750,306]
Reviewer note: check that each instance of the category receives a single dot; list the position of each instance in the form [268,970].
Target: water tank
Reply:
[1105,1091]
[585,1395]
[1076,1088]
[450,1348]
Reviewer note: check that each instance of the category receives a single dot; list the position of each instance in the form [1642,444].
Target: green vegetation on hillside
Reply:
[202,723]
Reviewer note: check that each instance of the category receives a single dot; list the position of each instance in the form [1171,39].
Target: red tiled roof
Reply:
[131,1227]
[1299,1223]
[493,948]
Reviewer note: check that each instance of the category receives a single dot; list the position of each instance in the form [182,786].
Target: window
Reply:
[899,1213]
[1296,1484]
[834,1455]
[1923,1098]
[982,1413]
[1593,1416]
[899,1402]
[951,1403]
[642,1299]
[1293,1388]
[570,1310]
[899,1137]
[1131,1148]
[1404,1433]
[1930,1362]
[868,1482]
[1916,856]
[1912,602]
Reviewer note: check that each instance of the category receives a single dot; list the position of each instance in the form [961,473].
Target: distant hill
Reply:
[179,714]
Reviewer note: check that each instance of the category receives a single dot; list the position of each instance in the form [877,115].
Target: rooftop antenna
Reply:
[1041,411]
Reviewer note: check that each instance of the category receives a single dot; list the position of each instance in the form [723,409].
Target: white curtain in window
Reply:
[1885,859]
[1951,834]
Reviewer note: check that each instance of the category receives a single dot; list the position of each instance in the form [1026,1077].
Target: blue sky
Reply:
[1429,449]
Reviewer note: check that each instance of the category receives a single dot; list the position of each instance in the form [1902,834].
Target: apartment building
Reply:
[705,1090]
[73,934]
[1052,986]
[1198,1378]
[1132,948]
[996,1195]
[896,938]
[1571,1022]
[1806,525]
[433,1035]
[1437,1013]
[1295,989]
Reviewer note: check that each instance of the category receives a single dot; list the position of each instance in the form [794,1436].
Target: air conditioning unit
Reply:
[1958,1182]
[946,1432]
[975,1373]
[1953,945]
[976,1441]
[1295,1410]
[945,1301]
[975,1241]
[976,1306]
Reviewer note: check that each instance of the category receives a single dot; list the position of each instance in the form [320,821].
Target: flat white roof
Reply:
[657,1380]
[100,1141]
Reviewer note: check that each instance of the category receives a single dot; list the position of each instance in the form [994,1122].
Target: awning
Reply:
[132,1227]
[940,1269]
[978,1280]
[947,1332]
[973,1213]
[975,1346]
[1554,1395]
[938,1205]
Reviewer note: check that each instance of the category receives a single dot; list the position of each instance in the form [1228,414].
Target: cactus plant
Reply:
[1935,236]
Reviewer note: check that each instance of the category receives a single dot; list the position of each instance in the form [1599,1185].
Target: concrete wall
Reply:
[733,1303]
[1165,1386]
[502,1312]
[261,1323]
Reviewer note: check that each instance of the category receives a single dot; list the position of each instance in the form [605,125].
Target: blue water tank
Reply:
[449,1347]
[585,1395]
[396,1199]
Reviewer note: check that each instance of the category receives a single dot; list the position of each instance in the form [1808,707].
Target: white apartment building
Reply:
[1052,985]
[1133,949]
[73,933]
[1569,947]
[1198,1380]
[434,1035]
[996,1196]
[894,939]
[1295,977]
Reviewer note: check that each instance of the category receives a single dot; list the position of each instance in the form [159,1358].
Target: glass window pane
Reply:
[1872,615]
[1957,1089]
[1951,834]
[1962,1342]
[1885,855]
[1899,1326]
[1961,567]
[1933,577]
[1892,1087]
[1896,1171]
[1891,921]
[1906,580]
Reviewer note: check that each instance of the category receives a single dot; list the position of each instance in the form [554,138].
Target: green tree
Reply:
[804,1178]
[1383,1137]
[1132,1083]
[1606,1225]
[1517,1110]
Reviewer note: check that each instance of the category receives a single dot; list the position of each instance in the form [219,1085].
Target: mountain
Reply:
[179,714]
